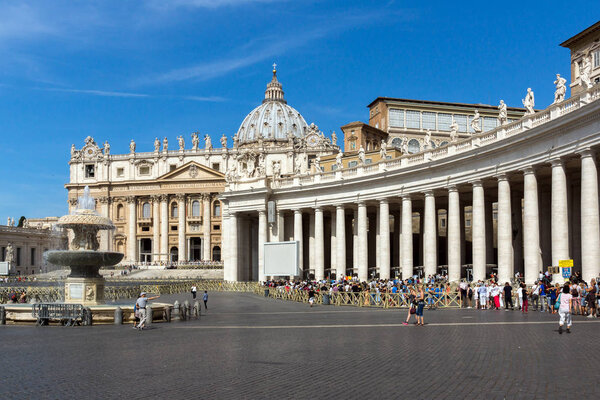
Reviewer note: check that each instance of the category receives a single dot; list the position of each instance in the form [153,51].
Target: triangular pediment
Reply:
[192,171]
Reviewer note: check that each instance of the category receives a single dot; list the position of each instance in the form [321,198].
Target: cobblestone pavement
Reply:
[247,346]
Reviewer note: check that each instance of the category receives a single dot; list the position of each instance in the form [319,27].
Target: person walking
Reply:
[194,290]
[412,308]
[565,307]
[141,303]
[205,299]
[420,305]
[525,306]
[508,296]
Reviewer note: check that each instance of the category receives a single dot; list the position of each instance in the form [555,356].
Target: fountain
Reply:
[84,285]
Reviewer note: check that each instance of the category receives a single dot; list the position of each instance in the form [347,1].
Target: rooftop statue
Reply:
[156,145]
[476,122]
[361,156]
[207,142]
[333,138]
[453,130]
[503,114]
[106,148]
[181,143]
[132,146]
[195,141]
[338,159]
[383,150]
[561,89]
[224,141]
[586,70]
[529,101]
[165,145]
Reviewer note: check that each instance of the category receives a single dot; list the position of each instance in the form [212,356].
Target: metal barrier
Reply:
[66,314]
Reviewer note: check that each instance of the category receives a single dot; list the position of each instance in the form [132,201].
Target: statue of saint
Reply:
[361,156]
[106,148]
[235,141]
[276,169]
[383,150]
[338,159]
[333,138]
[503,114]
[8,221]
[181,143]
[453,130]
[10,254]
[132,146]
[165,145]
[427,140]
[156,145]
[195,141]
[207,142]
[224,141]
[529,101]
[585,71]
[476,122]
[317,165]
[73,150]
[561,89]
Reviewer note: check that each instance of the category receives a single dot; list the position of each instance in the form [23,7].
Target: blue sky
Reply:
[118,70]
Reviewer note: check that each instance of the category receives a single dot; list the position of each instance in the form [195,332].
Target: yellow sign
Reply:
[565,263]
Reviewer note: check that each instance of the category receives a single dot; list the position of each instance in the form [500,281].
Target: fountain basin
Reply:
[83,258]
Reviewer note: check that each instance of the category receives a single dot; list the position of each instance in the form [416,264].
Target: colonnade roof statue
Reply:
[273,120]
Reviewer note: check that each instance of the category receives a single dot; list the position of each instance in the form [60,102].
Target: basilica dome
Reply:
[274,119]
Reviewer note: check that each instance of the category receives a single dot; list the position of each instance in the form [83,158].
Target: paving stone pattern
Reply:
[250,347]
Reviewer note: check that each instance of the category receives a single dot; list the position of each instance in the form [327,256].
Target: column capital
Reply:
[361,203]
[557,162]
[501,177]
[297,211]
[383,200]
[586,152]
[180,196]
[428,193]
[407,196]
[318,208]
[131,199]
[452,188]
[155,198]
[164,198]
[530,169]
[339,207]
[103,199]
[477,183]
[262,212]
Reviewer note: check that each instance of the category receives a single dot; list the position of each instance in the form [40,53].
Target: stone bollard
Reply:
[87,316]
[168,314]
[118,316]
[197,309]
[2,315]
[148,315]
[186,309]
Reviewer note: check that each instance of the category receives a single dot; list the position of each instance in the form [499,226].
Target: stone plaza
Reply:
[248,346]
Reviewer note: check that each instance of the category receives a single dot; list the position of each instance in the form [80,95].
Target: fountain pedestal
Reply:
[86,291]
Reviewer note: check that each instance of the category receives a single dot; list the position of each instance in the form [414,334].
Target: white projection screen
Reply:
[281,258]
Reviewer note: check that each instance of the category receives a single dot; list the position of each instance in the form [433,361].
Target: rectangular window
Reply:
[216,227]
[216,166]
[120,172]
[89,171]
[334,167]
[368,161]
[32,256]
[468,222]
[18,257]
[352,164]
[172,167]
[145,229]
[144,170]
[413,119]
[444,121]
[396,118]
[2,253]
[429,120]
[489,123]
[461,120]
[173,227]
[597,59]
[443,223]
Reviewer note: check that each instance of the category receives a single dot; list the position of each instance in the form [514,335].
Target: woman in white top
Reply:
[565,308]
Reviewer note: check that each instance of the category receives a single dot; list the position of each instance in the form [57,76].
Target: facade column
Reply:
[319,245]
[453,235]
[311,241]
[181,207]
[231,270]
[363,244]
[560,216]
[505,249]
[206,227]
[590,228]
[407,238]
[104,235]
[298,238]
[355,241]
[262,239]
[132,235]
[531,227]
[333,241]
[164,227]
[478,232]
[340,237]
[430,236]
[384,239]
[155,228]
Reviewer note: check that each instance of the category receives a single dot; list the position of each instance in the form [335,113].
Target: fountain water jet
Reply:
[84,285]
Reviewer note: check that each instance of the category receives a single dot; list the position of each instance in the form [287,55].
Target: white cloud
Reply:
[215,99]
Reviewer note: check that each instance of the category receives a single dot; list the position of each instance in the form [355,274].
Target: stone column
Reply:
[590,228]
[104,235]
[478,232]
[363,249]
[505,249]
[319,245]
[355,240]
[531,226]
[164,227]
[453,235]
[560,218]
[384,239]
[430,236]
[181,228]
[262,239]
[298,238]
[231,270]
[206,227]
[132,235]
[333,241]
[340,237]
[311,241]
[407,238]
[155,228]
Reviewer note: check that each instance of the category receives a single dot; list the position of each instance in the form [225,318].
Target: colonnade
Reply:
[329,232]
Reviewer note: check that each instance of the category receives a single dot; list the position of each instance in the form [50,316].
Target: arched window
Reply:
[443,143]
[174,210]
[195,208]
[397,142]
[216,253]
[120,212]
[146,212]
[216,209]
[413,146]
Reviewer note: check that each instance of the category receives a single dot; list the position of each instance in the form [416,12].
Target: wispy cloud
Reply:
[97,92]
[211,4]
[215,99]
